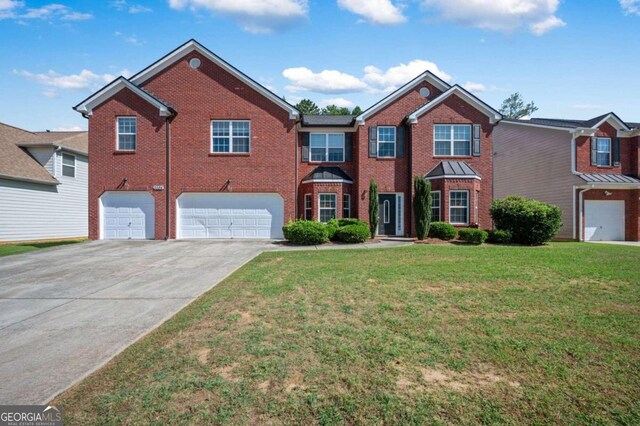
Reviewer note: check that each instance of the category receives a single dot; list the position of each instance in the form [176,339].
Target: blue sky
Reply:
[574,58]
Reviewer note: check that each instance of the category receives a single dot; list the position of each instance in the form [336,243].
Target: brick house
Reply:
[191,147]
[589,168]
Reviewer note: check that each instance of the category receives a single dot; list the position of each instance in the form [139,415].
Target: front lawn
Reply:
[7,249]
[415,335]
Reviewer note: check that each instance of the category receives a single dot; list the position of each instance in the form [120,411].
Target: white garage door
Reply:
[127,215]
[206,215]
[604,220]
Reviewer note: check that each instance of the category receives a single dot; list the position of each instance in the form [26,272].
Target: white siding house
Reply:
[40,197]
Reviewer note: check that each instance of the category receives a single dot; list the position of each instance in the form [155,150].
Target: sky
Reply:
[573,58]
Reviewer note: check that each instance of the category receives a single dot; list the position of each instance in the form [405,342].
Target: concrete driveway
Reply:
[66,311]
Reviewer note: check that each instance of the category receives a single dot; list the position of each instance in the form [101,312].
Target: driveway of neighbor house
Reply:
[620,243]
[66,311]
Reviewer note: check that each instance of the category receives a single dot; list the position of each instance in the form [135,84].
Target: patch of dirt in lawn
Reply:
[227,372]
[430,379]
[203,355]
[264,386]
[294,382]
[244,319]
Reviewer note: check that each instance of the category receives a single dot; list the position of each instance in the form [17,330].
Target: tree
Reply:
[373,208]
[356,110]
[422,206]
[335,110]
[514,107]
[307,106]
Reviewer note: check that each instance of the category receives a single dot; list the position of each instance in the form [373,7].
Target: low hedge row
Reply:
[311,232]
[473,235]
[442,230]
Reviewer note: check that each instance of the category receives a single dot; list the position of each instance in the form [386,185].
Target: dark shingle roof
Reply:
[569,123]
[452,168]
[328,173]
[634,125]
[608,178]
[327,120]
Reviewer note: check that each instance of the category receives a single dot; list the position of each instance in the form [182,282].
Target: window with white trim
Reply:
[459,207]
[386,141]
[603,147]
[127,133]
[327,147]
[327,207]
[435,206]
[452,140]
[230,136]
[308,207]
[387,211]
[346,205]
[68,165]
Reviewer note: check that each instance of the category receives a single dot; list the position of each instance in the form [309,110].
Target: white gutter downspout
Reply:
[580,198]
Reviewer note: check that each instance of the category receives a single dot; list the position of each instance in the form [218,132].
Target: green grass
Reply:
[7,249]
[423,334]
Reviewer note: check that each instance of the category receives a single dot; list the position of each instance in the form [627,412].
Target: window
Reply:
[68,165]
[386,141]
[327,147]
[327,206]
[308,207]
[603,147]
[346,205]
[387,211]
[127,129]
[435,206]
[452,140]
[459,207]
[230,136]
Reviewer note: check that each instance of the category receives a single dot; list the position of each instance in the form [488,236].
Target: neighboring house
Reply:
[43,184]
[589,168]
[191,147]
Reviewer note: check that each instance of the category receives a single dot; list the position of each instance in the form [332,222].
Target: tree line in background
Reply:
[307,106]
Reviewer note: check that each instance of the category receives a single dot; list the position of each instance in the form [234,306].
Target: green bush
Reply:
[530,222]
[358,233]
[442,230]
[473,235]
[422,206]
[499,237]
[373,208]
[305,232]
[350,221]
[332,227]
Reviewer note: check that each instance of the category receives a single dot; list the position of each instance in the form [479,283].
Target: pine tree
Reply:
[422,206]
[373,208]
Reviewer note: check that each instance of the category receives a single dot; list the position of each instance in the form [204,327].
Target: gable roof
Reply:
[570,124]
[425,76]
[86,107]
[494,116]
[327,174]
[191,46]
[77,142]
[452,169]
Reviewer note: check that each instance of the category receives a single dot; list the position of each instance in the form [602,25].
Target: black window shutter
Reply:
[477,132]
[348,146]
[305,146]
[616,151]
[594,151]
[400,136]
[373,141]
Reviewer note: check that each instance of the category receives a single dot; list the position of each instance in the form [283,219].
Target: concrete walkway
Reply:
[619,243]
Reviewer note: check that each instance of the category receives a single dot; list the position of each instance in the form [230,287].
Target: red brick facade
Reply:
[631,198]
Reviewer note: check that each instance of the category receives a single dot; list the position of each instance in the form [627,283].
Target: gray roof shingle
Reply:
[328,173]
[452,168]
[608,178]
[569,123]
[309,120]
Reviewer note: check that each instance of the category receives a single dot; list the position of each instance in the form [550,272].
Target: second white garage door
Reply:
[206,215]
[604,220]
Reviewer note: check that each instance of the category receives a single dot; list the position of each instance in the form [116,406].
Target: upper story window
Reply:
[603,147]
[127,133]
[452,139]
[68,165]
[327,147]
[386,141]
[230,136]
[435,206]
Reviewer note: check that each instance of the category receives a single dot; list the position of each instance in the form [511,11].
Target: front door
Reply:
[387,214]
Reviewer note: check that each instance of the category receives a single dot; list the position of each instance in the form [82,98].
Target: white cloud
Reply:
[630,7]
[85,79]
[499,15]
[326,81]
[132,39]
[254,16]
[395,77]
[474,87]
[138,8]
[12,9]
[122,6]
[339,102]
[382,12]
[68,129]
[50,93]
[586,106]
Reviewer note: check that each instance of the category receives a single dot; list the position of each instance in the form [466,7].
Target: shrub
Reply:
[373,208]
[442,230]
[332,227]
[473,235]
[305,232]
[353,233]
[499,237]
[422,206]
[350,221]
[530,222]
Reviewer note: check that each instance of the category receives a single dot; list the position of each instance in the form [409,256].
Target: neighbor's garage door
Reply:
[206,215]
[127,215]
[604,220]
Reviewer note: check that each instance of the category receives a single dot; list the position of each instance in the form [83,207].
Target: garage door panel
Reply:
[127,215]
[230,216]
[604,220]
